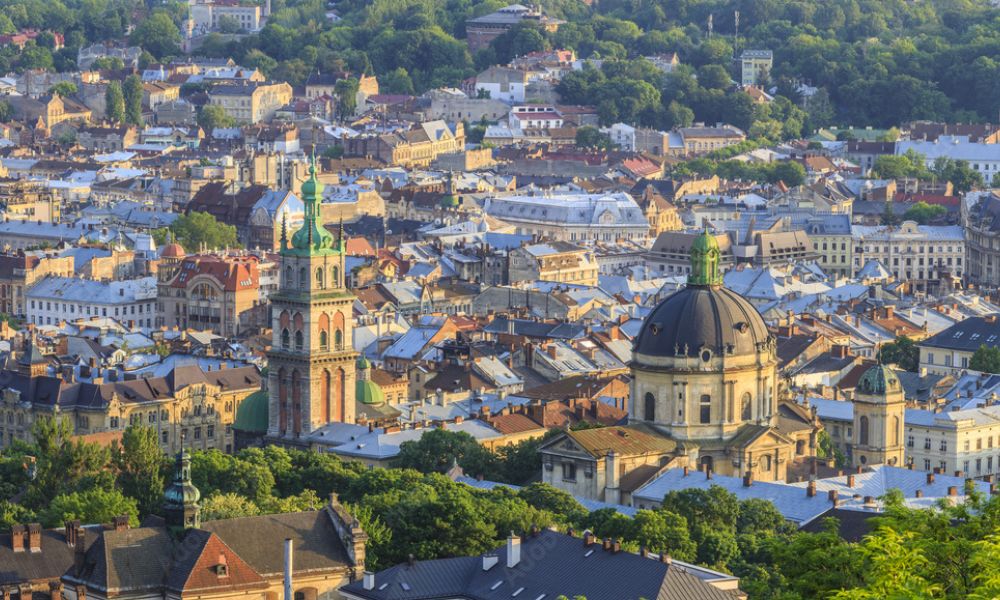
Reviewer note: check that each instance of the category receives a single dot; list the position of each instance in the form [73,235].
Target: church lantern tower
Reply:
[311,378]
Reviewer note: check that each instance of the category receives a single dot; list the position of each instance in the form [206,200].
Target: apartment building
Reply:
[930,257]
[56,299]
[250,102]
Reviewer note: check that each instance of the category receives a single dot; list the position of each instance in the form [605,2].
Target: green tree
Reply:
[132,92]
[438,449]
[963,177]
[895,569]
[346,91]
[903,352]
[64,464]
[227,506]
[107,63]
[63,89]
[6,111]
[662,531]
[826,449]
[158,34]
[140,463]
[592,138]
[558,502]
[790,172]
[212,117]
[200,229]
[95,505]
[986,359]
[923,213]
[114,101]
[229,25]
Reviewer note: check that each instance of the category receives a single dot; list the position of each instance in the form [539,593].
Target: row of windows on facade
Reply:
[37,320]
[704,408]
[966,445]
[977,463]
[924,249]
[948,359]
[85,309]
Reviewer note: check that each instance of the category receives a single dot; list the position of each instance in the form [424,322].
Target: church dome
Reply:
[878,381]
[252,415]
[173,250]
[703,319]
[367,391]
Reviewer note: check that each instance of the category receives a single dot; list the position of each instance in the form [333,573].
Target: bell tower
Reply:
[312,360]
[879,405]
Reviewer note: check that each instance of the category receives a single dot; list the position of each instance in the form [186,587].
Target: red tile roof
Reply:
[232,273]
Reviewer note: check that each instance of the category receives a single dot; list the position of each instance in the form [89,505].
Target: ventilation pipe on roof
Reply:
[289,595]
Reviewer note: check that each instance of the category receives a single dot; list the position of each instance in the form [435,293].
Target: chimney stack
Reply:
[70,528]
[81,592]
[665,558]
[930,478]
[79,550]
[606,545]
[120,523]
[369,580]
[289,594]
[17,534]
[685,471]
[832,495]
[616,547]
[513,550]
[953,491]
[748,479]
[919,493]
[811,489]
[850,481]
[588,538]
[55,589]
[35,537]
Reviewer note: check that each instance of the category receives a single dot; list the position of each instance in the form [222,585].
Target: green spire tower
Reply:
[313,239]
[705,256]
[311,374]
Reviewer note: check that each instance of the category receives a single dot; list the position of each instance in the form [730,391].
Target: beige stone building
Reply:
[878,418]
[19,272]
[561,262]
[417,147]
[251,102]
[190,405]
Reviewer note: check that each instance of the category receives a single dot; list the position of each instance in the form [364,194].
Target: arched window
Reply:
[746,407]
[303,278]
[650,407]
[895,431]
[324,331]
[705,409]
[298,340]
[323,339]
[338,339]
[863,431]
[335,277]
[319,277]
[284,338]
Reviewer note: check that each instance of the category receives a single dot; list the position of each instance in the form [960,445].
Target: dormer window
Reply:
[222,568]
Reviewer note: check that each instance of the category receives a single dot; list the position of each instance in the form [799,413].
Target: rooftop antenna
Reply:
[736,38]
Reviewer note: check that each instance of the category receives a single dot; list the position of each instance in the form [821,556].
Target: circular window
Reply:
[863,459]
[706,355]
[743,327]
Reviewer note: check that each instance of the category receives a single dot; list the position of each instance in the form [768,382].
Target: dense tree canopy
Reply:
[197,229]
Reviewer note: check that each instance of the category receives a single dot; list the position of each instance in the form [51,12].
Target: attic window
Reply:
[958,334]
[222,568]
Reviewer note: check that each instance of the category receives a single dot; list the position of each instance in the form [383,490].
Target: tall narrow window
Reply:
[650,407]
[705,409]
[746,407]
[863,433]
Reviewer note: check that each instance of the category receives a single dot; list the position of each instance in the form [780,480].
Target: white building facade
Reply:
[56,299]
[573,217]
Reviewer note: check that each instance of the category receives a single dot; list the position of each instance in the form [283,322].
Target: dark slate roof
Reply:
[921,387]
[536,329]
[317,544]
[967,335]
[698,317]
[552,564]
[56,556]
[852,525]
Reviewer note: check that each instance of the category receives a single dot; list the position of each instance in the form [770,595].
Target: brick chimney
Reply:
[55,589]
[69,529]
[811,489]
[120,523]
[832,496]
[748,479]
[930,478]
[35,537]
[952,491]
[17,535]
[81,592]
[80,551]
[850,481]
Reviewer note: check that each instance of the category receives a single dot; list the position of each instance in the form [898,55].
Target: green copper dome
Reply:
[368,392]
[181,492]
[705,255]
[363,363]
[252,416]
[879,380]
[312,238]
